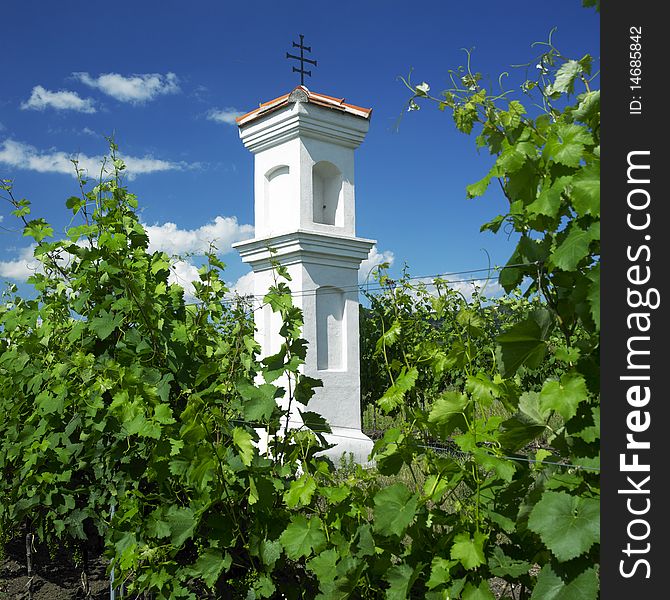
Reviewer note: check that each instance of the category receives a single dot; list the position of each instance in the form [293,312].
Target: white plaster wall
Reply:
[294,208]
[268,323]
[328,203]
[275,215]
[330,329]
[277,198]
[314,151]
[339,398]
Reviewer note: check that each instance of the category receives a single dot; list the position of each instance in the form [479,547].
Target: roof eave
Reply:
[312,98]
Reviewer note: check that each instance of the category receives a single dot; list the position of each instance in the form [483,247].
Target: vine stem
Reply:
[30,538]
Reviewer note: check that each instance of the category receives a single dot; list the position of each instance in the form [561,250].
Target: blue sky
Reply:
[167,78]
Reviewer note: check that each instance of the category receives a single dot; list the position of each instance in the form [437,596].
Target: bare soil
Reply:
[54,577]
[57,577]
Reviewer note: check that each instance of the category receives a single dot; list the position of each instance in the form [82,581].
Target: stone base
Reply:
[349,444]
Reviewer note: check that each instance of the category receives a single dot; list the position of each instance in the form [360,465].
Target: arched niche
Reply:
[327,194]
[271,325]
[277,197]
[330,331]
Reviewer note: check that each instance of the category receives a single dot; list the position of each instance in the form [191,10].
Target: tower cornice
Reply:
[304,247]
[300,119]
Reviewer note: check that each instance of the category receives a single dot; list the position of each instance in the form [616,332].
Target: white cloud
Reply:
[136,165]
[24,156]
[20,268]
[173,240]
[244,286]
[374,258]
[41,98]
[490,288]
[136,88]
[184,274]
[200,93]
[223,232]
[224,115]
[465,286]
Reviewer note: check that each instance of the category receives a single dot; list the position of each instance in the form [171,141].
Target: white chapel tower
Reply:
[303,145]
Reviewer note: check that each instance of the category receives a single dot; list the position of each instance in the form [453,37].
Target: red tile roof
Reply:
[312,97]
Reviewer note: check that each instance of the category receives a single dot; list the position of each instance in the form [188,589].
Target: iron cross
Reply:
[302,59]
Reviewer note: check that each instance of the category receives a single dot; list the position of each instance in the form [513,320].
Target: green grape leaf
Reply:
[263,587]
[548,201]
[565,77]
[568,525]
[210,564]
[563,396]
[494,224]
[588,107]
[440,572]
[258,400]
[75,203]
[324,566]
[270,552]
[511,276]
[525,342]
[156,526]
[503,566]
[304,389]
[574,247]
[512,117]
[565,144]
[394,396]
[163,414]
[401,578]
[302,537]
[48,403]
[480,592]
[527,252]
[447,410]
[585,191]
[551,586]
[517,431]
[522,186]
[389,337]
[22,210]
[38,229]
[469,551]
[503,468]
[593,294]
[586,62]
[395,508]
[531,406]
[314,421]
[477,189]
[182,523]
[300,491]
[366,543]
[472,322]
[481,387]
[105,323]
[510,161]
[243,440]
[588,428]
